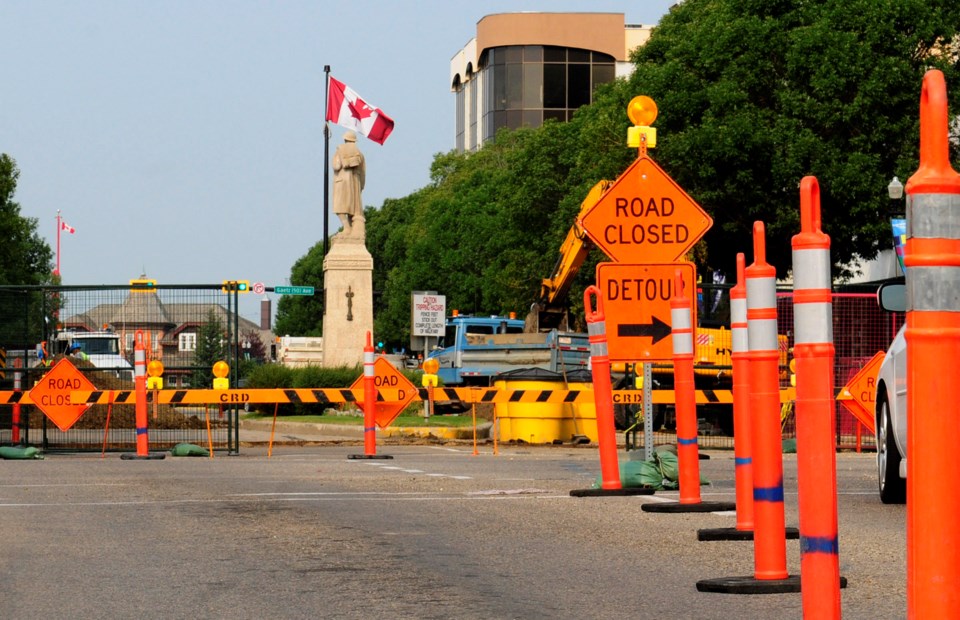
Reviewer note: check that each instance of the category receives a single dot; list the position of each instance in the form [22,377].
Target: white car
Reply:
[891,406]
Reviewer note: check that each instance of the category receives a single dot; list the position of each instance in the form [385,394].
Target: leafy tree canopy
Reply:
[753,95]
[26,257]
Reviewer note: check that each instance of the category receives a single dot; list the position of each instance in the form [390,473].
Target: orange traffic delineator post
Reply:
[932,262]
[369,405]
[743,459]
[815,411]
[769,534]
[140,387]
[688,454]
[610,483]
[743,463]
[17,386]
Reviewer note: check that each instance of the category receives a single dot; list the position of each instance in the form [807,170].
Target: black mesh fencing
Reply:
[187,328]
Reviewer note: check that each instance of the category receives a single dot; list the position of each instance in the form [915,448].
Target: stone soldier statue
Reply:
[349,169]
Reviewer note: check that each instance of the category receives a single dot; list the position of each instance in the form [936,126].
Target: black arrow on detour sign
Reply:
[656,329]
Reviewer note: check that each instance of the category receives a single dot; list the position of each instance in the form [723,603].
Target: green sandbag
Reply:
[16,452]
[188,449]
[636,474]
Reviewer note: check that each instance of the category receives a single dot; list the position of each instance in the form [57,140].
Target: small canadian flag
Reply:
[67,227]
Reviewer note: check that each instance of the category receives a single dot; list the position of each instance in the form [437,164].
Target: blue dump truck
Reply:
[475,349]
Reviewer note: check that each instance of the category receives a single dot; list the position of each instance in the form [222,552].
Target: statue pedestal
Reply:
[348,302]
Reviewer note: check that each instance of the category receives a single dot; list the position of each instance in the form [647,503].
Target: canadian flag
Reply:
[67,227]
[348,109]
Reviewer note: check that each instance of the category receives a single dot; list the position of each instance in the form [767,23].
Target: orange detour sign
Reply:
[388,377]
[636,301]
[645,217]
[860,394]
[52,394]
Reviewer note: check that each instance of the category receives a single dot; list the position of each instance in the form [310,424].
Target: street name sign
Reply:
[645,217]
[293,290]
[636,305]
[52,394]
[386,376]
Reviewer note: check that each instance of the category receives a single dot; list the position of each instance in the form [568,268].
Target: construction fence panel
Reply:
[860,330]
[186,327]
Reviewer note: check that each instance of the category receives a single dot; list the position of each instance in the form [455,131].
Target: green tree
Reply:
[26,258]
[302,315]
[211,348]
[754,95]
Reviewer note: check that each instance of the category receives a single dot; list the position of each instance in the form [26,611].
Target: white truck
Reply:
[891,406]
[102,349]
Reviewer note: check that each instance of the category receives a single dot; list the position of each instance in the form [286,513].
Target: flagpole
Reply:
[56,271]
[326,159]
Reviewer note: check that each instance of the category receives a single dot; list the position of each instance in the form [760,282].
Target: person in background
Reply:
[77,352]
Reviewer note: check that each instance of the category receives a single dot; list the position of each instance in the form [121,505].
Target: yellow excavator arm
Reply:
[550,309]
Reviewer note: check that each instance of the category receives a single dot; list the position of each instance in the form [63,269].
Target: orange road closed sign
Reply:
[636,304]
[52,394]
[387,376]
[645,217]
[859,396]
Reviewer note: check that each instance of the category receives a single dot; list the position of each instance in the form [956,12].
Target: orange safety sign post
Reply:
[688,454]
[769,531]
[815,411]
[610,483]
[932,262]
[140,387]
[369,404]
[17,386]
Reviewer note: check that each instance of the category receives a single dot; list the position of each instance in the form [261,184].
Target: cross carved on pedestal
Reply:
[349,295]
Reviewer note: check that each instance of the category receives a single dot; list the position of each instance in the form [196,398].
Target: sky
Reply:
[184,139]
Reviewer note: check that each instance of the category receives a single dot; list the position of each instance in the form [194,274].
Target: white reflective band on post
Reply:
[813,323]
[368,362]
[741,343]
[811,269]
[680,319]
[933,289]
[598,349]
[140,362]
[761,293]
[933,216]
[683,343]
[762,335]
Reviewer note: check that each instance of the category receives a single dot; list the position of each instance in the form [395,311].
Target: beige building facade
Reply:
[522,69]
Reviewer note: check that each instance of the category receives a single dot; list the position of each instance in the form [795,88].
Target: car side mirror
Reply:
[892,297]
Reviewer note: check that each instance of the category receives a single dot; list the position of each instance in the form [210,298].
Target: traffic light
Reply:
[143,286]
[240,286]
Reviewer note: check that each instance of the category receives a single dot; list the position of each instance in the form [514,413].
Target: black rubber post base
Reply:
[752,585]
[369,456]
[698,507]
[732,533]
[153,456]
[612,492]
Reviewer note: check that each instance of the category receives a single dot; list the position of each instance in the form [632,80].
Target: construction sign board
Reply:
[636,306]
[52,394]
[387,377]
[645,217]
[859,395]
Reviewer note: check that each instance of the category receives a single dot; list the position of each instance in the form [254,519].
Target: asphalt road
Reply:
[435,532]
